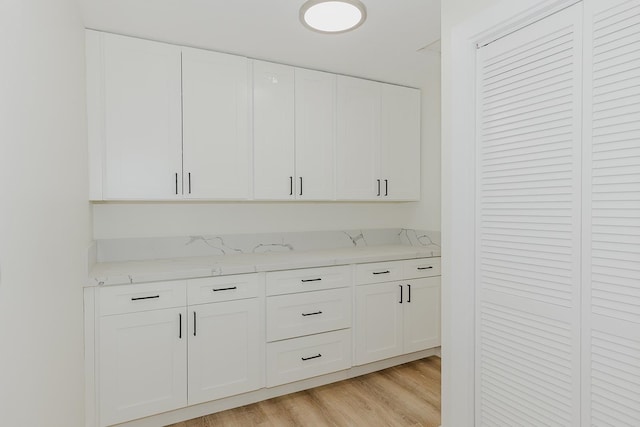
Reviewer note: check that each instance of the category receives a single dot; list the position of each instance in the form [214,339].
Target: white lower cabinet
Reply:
[396,317]
[306,357]
[379,326]
[142,364]
[308,323]
[167,345]
[225,349]
[421,319]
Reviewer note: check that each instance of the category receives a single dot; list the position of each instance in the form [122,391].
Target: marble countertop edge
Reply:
[131,272]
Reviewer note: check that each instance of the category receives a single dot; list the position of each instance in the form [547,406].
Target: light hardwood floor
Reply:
[405,395]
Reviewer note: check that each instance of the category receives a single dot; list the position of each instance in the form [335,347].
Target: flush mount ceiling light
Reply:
[332,16]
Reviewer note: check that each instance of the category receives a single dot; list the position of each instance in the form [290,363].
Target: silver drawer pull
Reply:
[382,272]
[312,314]
[225,289]
[141,298]
[311,280]
[425,268]
[311,357]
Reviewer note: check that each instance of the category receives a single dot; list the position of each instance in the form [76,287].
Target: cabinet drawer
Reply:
[423,267]
[308,279]
[378,272]
[142,297]
[306,357]
[223,288]
[308,313]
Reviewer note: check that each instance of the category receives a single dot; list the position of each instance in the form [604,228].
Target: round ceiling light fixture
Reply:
[332,16]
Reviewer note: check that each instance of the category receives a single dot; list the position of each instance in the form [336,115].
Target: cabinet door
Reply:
[143,364]
[358,139]
[273,131]
[379,323]
[422,314]
[134,114]
[400,142]
[226,353]
[216,145]
[315,101]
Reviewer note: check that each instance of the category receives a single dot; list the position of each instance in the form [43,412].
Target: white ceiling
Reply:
[388,47]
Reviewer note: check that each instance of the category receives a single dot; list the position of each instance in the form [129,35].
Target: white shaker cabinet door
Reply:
[143,364]
[226,349]
[358,139]
[400,143]
[422,314]
[379,322]
[273,131]
[216,143]
[315,100]
[133,101]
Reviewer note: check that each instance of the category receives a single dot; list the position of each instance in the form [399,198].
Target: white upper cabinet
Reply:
[293,132]
[378,143]
[216,143]
[358,139]
[315,102]
[169,123]
[273,131]
[134,117]
[400,142]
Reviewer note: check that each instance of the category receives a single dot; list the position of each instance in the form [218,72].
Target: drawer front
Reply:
[308,279]
[142,297]
[378,272]
[300,358]
[423,267]
[308,313]
[223,288]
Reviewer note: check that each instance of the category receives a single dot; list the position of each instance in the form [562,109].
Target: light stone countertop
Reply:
[119,273]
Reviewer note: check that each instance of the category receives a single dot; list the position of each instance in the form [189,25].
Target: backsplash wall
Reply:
[130,220]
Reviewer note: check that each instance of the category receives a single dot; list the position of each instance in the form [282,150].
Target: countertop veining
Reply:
[127,272]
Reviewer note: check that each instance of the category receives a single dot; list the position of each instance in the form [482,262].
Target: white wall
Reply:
[120,220]
[457,365]
[44,215]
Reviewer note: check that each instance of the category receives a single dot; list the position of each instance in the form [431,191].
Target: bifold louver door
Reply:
[528,230]
[611,267]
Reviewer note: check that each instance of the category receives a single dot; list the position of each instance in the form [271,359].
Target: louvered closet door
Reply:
[528,241]
[611,311]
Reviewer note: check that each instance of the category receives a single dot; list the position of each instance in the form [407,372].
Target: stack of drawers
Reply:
[309,314]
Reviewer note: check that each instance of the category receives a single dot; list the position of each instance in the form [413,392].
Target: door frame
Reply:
[459,195]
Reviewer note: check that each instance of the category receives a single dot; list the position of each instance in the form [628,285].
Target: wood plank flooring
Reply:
[405,395]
